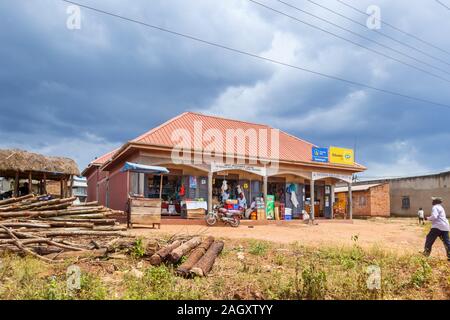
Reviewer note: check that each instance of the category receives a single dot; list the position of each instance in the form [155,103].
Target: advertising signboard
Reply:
[341,156]
[319,154]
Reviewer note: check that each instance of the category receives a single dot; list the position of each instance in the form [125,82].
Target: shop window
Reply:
[137,183]
[405,203]
[362,201]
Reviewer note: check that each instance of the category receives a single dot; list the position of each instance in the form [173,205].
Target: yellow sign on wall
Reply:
[341,156]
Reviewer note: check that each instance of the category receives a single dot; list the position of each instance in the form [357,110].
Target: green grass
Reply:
[269,271]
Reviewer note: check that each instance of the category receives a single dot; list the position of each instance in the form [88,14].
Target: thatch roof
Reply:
[14,160]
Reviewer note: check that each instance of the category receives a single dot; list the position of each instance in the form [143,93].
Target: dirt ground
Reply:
[394,234]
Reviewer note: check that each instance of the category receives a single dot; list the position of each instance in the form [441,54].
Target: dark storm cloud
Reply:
[83,92]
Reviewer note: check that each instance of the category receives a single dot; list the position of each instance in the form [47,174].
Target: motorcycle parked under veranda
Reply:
[231,217]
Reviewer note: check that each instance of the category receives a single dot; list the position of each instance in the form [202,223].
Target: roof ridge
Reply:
[228,119]
[297,138]
[158,127]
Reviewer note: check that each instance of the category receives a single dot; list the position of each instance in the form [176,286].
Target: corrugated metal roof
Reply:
[290,148]
[363,187]
[102,159]
[192,129]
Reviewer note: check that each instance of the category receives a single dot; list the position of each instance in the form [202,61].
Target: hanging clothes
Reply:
[292,189]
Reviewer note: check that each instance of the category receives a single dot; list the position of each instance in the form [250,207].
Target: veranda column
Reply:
[350,202]
[311,215]
[210,189]
[265,180]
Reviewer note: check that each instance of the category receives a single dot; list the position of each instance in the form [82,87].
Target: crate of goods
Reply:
[196,213]
[196,209]
[145,211]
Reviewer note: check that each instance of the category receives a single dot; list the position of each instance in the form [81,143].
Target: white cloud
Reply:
[406,161]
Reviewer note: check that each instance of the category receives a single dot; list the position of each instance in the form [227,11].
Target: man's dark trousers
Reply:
[431,238]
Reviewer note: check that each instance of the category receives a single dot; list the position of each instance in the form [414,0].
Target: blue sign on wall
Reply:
[320,154]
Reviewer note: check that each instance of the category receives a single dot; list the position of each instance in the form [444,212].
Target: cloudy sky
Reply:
[83,92]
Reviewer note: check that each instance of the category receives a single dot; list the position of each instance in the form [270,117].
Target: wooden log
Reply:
[185,248]
[51,213]
[194,257]
[110,228]
[86,204]
[161,255]
[205,264]
[20,246]
[51,234]
[13,200]
[49,207]
[36,204]
[78,254]
[99,222]
[67,224]
[25,225]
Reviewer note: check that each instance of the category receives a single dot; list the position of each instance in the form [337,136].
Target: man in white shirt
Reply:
[440,228]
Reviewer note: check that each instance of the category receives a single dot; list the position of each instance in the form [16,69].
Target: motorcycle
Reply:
[231,217]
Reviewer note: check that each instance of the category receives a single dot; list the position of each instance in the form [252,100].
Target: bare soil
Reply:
[402,235]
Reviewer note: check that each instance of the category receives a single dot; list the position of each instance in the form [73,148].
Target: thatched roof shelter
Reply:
[13,161]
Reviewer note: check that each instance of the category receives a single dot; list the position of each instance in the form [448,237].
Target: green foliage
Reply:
[158,283]
[258,248]
[423,273]
[314,283]
[138,250]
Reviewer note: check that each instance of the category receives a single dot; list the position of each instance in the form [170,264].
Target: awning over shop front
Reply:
[140,168]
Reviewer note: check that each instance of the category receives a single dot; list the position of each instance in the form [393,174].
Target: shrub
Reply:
[138,250]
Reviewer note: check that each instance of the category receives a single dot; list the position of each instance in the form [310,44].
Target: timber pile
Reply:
[201,255]
[52,229]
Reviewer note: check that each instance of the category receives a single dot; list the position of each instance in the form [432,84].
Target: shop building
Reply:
[202,153]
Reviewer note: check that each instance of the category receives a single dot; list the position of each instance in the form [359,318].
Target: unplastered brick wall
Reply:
[380,201]
[361,203]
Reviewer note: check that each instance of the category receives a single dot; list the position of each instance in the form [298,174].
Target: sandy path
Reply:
[401,235]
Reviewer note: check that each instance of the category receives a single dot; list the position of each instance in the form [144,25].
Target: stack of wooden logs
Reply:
[51,228]
[201,255]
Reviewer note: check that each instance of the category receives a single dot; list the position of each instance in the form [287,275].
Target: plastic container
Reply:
[287,217]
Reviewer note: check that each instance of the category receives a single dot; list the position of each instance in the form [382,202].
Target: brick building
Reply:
[408,194]
[369,200]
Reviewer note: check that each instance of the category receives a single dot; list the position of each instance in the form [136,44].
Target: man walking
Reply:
[440,228]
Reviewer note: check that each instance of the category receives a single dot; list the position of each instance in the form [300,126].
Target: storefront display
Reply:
[270,207]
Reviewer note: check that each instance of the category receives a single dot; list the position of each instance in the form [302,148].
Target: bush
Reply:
[138,250]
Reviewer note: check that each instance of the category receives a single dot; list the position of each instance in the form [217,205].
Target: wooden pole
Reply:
[71,186]
[210,187]
[45,184]
[161,187]
[350,202]
[61,187]
[311,216]
[16,185]
[30,183]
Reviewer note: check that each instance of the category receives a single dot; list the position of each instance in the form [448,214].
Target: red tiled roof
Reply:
[290,148]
